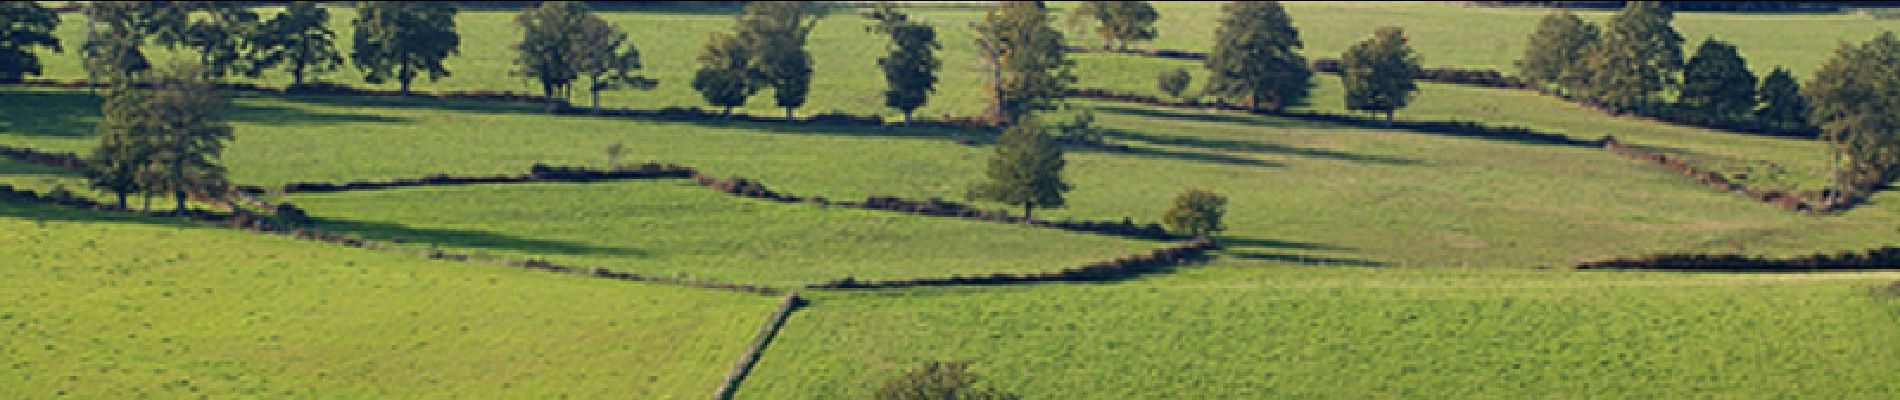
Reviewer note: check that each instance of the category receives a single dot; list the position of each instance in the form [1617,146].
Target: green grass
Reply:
[1235,330]
[107,306]
[676,227]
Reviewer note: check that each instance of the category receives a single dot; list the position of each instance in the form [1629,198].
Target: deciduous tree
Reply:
[299,39]
[403,40]
[1781,104]
[603,55]
[1558,53]
[1174,81]
[25,25]
[548,36]
[185,113]
[1256,57]
[937,380]
[1025,170]
[1716,82]
[1639,57]
[1117,22]
[1197,212]
[775,32]
[726,77]
[1378,73]
[126,144]
[1029,69]
[910,70]
[1852,98]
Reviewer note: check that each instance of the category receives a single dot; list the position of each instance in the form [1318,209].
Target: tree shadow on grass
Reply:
[1254,147]
[1234,242]
[1306,260]
[1225,117]
[469,239]
[1216,158]
[74,113]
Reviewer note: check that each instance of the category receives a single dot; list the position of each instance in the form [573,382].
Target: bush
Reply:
[290,215]
[936,380]
[1197,212]
[1174,82]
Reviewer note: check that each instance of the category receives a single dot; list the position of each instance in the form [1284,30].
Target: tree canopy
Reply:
[1640,55]
[1117,22]
[1781,104]
[1716,81]
[1025,170]
[1378,73]
[1559,52]
[1852,98]
[403,40]
[1028,66]
[25,25]
[1256,57]
[299,39]
[725,77]
[776,32]
[1197,212]
[910,70]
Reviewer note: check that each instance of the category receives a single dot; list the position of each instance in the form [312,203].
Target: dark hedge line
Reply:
[68,161]
[1800,202]
[537,173]
[1452,128]
[743,367]
[1461,76]
[1120,268]
[1873,259]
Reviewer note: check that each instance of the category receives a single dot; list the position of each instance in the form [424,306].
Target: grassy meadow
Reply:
[1360,262]
[109,306]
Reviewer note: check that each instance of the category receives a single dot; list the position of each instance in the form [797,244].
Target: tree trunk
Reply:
[1388,117]
[179,195]
[148,202]
[405,86]
[907,117]
[122,204]
[788,113]
[1253,102]
[296,75]
[547,92]
[593,87]
[405,76]
[727,113]
[1027,208]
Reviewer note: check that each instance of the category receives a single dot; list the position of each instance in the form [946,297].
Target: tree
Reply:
[599,57]
[725,77]
[1559,52]
[937,380]
[299,39]
[775,32]
[1852,98]
[1118,22]
[1716,82]
[1256,57]
[1174,81]
[404,40]
[1028,66]
[221,38]
[1025,170]
[548,33]
[1197,212]
[125,144]
[1639,57]
[115,54]
[1378,73]
[1781,104]
[117,30]
[185,114]
[23,26]
[910,70]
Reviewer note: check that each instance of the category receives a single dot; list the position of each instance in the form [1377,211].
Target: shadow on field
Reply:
[275,115]
[40,212]
[469,239]
[1225,117]
[1254,147]
[11,168]
[63,113]
[1305,260]
[1233,242]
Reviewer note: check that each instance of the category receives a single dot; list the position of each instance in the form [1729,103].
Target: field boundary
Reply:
[750,358]
[1797,202]
[1882,258]
[1120,268]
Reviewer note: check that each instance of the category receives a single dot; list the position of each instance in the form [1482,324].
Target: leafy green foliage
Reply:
[1025,170]
[221,38]
[1558,53]
[299,39]
[1118,22]
[910,70]
[1781,102]
[1197,212]
[1378,73]
[1716,81]
[938,380]
[126,145]
[1174,82]
[404,40]
[1640,55]
[775,33]
[1853,97]
[1256,57]
[186,114]
[726,76]
[1029,69]
[23,26]
[599,55]
[545,50]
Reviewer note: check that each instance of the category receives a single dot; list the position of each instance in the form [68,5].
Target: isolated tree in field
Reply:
[1378,73]
[1256,57]
[299,39]
[1197,212]
[1852,98]
[936,380]
[23,26]
[1026,170]
[1639,57]
[403,40]
[543,54]
[1781,104]
[775,32]
[1716,82]
[1174,82]
[725,77]
[1117,22]
[910,70]
[603,55]
[185,115]
[126,145]
[221,38]
[1559,53]
[1028,67]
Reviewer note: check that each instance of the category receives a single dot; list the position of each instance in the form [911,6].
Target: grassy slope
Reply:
[1233,330]
[677,227]
[105,306]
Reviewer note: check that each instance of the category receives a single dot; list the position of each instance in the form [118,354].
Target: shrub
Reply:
[1197,212]
[936,380]
[290,215]
[1174,82]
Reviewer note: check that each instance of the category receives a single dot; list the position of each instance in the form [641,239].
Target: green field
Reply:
[1360,263]
[104,306]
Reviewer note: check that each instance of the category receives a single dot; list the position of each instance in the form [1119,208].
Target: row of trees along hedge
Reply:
[768,50]
[1638,56]
[563,41]
[163,139]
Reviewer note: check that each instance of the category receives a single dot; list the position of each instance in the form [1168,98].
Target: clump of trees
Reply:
[1559,53]
[938,380]
[299,39]
[25,25]
[1716,82]
[404,40]
[564,41]
[1781,104]
[1639,56]
[164,139]
[768,50]
[910,70]
[1117,22]
[1378,73]
[1853,96]
[1025,170]
[1197,212]
[1256,57]
[1029,69]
